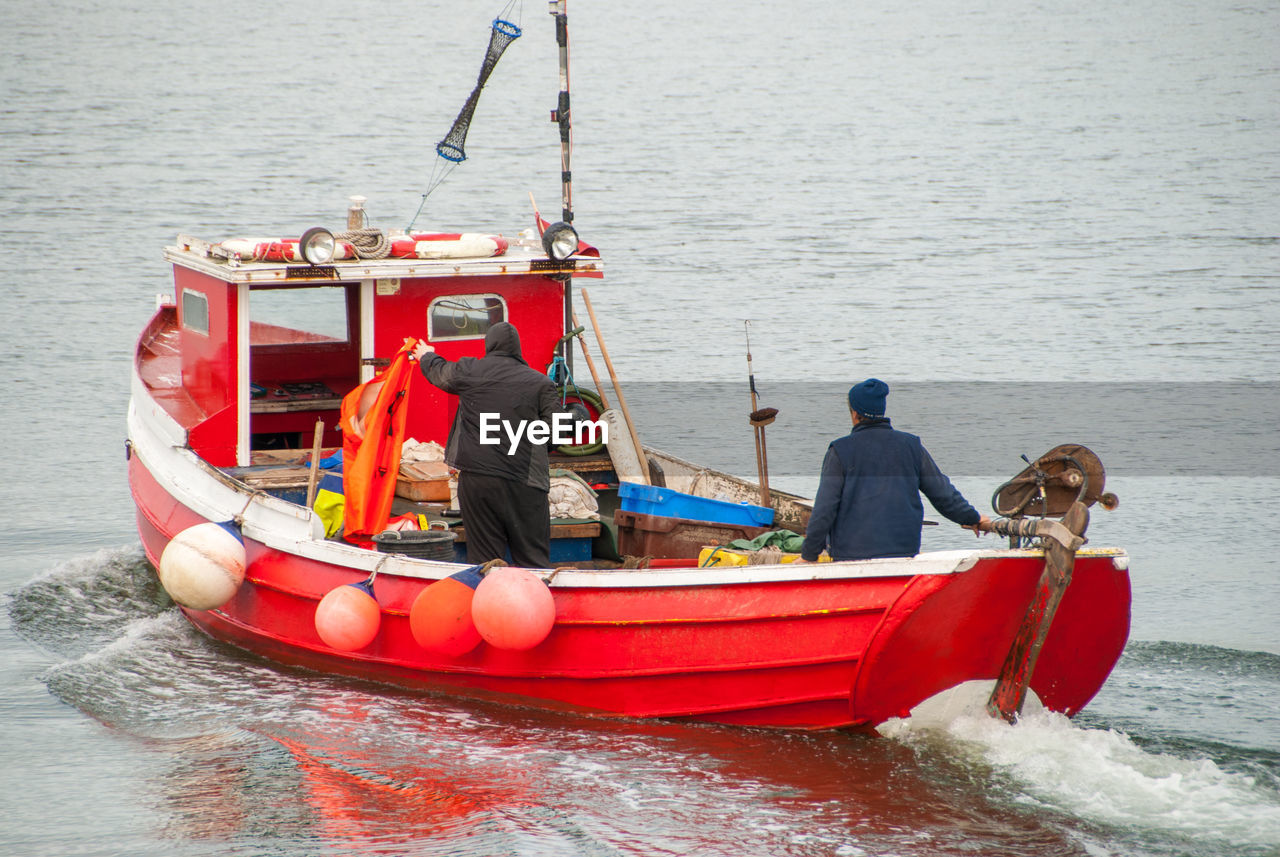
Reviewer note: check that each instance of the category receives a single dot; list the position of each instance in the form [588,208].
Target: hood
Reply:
[503,338]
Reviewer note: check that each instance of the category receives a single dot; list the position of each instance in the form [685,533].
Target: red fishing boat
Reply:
[244,387]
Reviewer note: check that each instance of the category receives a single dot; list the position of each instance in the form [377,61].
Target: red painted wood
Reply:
[535,305]
[949,629]
[209,367]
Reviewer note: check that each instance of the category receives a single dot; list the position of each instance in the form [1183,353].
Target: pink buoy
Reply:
[513,609]
[348,618]
[440,618]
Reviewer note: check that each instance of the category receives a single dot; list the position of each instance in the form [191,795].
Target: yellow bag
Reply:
[711,557]
[329,506]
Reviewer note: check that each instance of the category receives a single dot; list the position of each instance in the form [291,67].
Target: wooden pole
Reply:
[591,364]
[622,400]
[756,429]
[315,462]
[765,498]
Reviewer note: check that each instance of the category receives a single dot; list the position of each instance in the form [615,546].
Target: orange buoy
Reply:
[513,609]
[440,618]
[203,566]
[348,618]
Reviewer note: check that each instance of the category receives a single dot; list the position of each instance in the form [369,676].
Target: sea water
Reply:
[1038,224]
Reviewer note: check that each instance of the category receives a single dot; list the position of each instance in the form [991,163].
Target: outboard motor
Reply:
[1062,483]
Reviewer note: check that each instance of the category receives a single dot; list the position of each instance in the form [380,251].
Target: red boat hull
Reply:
[842,648]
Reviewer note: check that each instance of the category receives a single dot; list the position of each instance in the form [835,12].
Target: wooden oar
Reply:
[1062,540]
[315,463]
[622,400]
[591,364]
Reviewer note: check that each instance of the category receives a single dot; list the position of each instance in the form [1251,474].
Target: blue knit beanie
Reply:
[868,397]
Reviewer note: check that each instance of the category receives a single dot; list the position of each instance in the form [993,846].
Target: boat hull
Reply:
[800,647]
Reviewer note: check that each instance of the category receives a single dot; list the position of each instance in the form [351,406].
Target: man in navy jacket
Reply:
[868,502]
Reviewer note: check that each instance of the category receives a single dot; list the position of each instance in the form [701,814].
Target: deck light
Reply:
[317,246]
[560,240]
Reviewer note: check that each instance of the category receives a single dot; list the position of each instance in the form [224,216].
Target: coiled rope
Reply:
[368,243]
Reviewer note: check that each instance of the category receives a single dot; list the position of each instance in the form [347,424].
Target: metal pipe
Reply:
[562,114]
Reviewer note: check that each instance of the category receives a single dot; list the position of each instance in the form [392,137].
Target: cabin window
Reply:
[299,316]
[195,312]
[464,316]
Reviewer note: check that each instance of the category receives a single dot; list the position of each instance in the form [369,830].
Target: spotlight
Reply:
[560,240]
[317,246]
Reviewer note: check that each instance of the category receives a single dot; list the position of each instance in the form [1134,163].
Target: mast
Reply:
[561,114]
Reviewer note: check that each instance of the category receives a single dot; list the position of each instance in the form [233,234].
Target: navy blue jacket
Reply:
[868,502]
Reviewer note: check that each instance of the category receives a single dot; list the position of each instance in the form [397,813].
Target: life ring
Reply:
[277,250]
[447,245]
[416,245]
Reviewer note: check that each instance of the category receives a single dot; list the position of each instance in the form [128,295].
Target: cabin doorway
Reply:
[304,356]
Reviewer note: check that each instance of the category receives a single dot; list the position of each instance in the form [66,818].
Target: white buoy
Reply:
[203,566]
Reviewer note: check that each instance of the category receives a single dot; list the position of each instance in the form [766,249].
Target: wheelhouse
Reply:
[249,356]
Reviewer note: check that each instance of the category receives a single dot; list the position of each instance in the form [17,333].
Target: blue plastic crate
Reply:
[650,500]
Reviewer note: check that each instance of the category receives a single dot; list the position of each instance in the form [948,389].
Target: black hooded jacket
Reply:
[500,383]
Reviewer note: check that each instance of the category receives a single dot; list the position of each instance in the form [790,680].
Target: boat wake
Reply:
[245,743]
[81,605]
[124,655]
[1101,775]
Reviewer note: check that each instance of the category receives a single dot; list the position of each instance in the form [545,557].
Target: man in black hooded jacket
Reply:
[503,485]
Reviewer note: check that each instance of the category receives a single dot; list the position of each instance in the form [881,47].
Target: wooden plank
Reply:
[277,477]
[566,529]
[286,406]
[584,465]
[296,457]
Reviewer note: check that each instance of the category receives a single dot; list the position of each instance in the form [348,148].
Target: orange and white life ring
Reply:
[277,249]
[417,245]
[447,245]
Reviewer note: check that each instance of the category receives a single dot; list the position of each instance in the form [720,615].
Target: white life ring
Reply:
[417,245]
[448,245]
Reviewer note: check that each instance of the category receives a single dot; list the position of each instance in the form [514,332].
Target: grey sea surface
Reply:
[1038,223]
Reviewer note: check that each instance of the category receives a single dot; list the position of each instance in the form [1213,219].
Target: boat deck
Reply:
[159,367]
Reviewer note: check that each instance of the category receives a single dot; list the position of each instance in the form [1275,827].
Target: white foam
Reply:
[1099,774]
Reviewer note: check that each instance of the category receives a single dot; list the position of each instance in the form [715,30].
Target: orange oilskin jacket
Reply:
[373,421]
